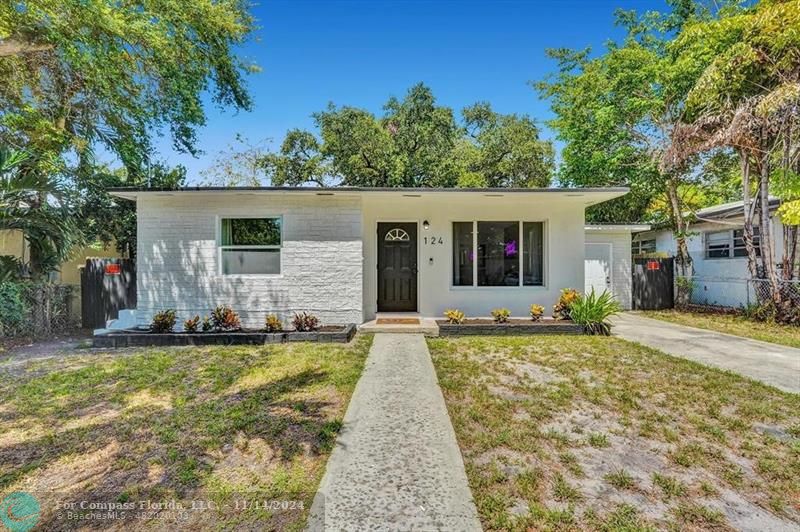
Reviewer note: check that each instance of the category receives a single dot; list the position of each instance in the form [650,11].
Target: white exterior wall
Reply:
[621,276]
[563,249]
[720,281]
[321,257]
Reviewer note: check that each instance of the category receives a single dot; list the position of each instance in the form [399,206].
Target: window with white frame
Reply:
[643,247]
[498,253]
[730,243]
[250,246]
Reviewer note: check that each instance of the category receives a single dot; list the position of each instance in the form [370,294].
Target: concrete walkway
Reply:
[772,364]
[396,465]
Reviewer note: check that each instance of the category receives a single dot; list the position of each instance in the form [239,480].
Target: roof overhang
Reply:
[617,228]
[588,196]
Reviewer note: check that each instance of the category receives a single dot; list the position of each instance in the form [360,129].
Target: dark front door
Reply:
[397,267]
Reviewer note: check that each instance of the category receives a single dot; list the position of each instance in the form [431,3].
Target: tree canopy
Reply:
[746,97]
[78,75]
[415,143]
[100,76]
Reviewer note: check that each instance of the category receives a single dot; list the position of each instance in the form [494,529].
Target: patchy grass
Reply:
[732,324]
[620,479]
[603,434]
[231,425]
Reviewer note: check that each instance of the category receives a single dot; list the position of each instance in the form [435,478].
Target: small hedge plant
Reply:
[207,325]
[273,323]
[163,322]
[501,315]
[537,311]
[191,325]
[454,316]
[13,308]
[592,311]
[223,318]
[561,310]
[304,322]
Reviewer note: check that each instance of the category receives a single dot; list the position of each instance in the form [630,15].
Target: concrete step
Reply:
[426,326]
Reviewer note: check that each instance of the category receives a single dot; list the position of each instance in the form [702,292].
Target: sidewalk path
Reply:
[773,364]
[396,465]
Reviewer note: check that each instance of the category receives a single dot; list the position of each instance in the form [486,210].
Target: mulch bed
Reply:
[476,326]
[130,338]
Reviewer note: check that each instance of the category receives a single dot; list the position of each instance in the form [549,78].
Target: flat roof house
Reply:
[716,244]
[346,254]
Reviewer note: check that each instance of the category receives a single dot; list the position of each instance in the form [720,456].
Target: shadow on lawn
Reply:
[164,451]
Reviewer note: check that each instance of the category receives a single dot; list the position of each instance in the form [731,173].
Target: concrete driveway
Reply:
[772,364]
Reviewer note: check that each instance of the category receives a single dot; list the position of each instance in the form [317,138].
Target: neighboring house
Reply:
[346,254]
[718,253]
[13,243]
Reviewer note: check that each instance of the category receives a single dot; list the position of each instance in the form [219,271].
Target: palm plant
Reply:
[592,311]
[32,202]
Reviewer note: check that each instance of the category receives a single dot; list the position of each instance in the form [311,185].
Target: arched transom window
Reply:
[397,235]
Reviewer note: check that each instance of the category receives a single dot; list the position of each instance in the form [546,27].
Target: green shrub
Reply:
[273,323]
[207,325]
[592,311]
[501,315]
[537,311]
[163,322]
[565,301]
[14,309]
[305,321]
[454,316]
[190,325]
[225,319]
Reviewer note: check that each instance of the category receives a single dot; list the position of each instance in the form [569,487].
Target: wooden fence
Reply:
[107,286]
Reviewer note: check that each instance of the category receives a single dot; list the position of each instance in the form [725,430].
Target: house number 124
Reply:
[433,240]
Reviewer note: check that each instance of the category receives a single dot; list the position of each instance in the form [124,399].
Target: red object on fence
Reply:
[653,265]
[113,269]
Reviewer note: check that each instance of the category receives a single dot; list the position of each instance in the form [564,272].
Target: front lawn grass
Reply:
[597,433]
[732,324]
[247,428]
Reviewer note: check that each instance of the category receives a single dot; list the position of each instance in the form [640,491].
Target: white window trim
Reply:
[221,248]
[731,243]
[636,246]
[475,285]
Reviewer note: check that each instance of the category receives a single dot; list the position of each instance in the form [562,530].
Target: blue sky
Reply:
[358,52]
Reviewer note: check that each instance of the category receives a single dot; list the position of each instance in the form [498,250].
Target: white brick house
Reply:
[346,254]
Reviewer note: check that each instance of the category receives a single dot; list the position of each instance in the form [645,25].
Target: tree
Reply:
[78,75]
[508,151]
[298,162]
[108,219]
[416,143]
[240,165]
[746,97]
[616,112]
[34,205]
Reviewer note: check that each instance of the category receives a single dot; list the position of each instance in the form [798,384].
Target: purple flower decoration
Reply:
[511,248]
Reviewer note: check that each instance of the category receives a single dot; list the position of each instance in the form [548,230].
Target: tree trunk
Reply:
[10,47]
[765,223]
[789,251]
[683,260]
[749,211]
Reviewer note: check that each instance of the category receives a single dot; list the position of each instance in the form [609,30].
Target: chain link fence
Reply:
[38,309]
[762,291]
[736,292]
